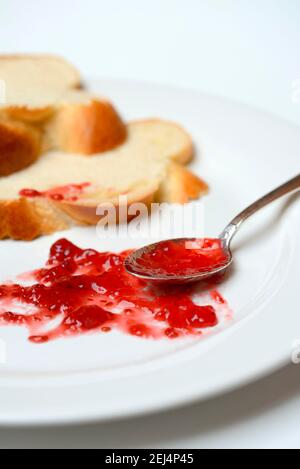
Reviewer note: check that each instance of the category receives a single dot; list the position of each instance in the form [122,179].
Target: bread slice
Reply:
[77,123]
[35,81]
[143,169]
[44,111]
[73,152]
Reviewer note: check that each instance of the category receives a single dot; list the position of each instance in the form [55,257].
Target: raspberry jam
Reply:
[83,290]
[182,257]
[69,193]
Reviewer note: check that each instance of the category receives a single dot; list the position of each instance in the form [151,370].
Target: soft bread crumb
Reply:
[29,79]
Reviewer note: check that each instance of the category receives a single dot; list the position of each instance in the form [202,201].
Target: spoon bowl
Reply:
[135,268]
[135,265]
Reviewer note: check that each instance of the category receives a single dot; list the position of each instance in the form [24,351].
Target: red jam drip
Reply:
[69,193]
[82,290]
[181,257]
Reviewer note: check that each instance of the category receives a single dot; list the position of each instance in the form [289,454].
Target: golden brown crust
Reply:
[87,128]
[20,146]
[23,219]
[181,185]
[25,114]
[18,220]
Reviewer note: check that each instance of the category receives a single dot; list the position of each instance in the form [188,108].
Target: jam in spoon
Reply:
[185,260]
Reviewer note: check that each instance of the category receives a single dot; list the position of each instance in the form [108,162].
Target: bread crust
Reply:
[87,129]
[23,219]
[181,185]
[20,146]
[27,115]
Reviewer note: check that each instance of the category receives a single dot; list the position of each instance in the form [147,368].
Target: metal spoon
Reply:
[131,262]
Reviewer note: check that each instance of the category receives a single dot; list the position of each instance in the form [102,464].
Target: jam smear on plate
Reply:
[68,193]
[82,290]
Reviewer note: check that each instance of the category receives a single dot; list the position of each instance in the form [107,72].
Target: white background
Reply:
[247,50]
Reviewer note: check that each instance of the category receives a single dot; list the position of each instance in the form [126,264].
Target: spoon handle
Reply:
[232,228]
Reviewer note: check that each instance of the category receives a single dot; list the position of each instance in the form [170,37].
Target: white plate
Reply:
[242,153]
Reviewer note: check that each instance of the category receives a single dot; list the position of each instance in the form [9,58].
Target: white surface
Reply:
[262,415]
[245,50]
